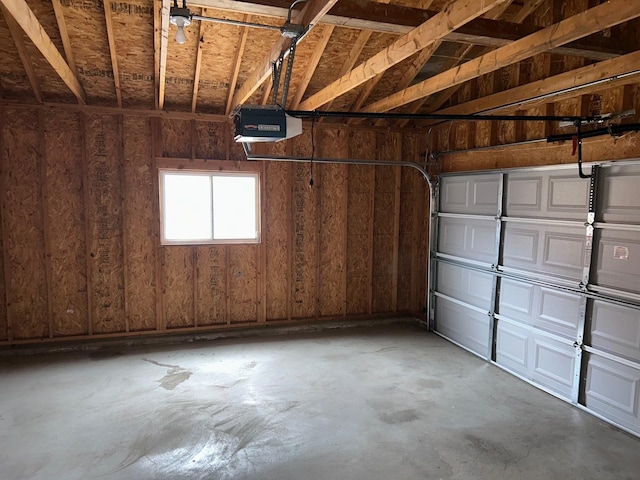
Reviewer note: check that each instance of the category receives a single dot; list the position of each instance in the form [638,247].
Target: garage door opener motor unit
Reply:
[264,123]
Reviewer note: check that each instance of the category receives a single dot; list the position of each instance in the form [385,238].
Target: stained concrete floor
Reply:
[391,402]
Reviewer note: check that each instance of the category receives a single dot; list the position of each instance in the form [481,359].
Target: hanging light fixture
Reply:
[180,17]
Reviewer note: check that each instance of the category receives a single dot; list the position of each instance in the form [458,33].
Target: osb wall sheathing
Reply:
[80,253]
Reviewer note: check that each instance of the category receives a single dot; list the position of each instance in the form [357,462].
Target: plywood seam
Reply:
[42,163]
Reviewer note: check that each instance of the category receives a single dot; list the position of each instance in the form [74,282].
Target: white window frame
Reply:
[210,174]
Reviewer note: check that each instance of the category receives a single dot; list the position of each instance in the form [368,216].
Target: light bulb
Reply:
[180,36]
[180,22]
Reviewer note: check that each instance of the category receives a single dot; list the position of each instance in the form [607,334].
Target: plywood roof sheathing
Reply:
[64,34]
[236,67]
[312,65]
[24,16]
[18,40]
[196,75]
[112,50]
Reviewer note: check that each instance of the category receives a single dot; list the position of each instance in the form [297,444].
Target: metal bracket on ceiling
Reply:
[276,70]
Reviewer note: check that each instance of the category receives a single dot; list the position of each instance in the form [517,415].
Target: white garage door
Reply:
[539,271]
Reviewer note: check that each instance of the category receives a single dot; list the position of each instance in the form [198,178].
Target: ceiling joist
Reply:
[162,57]
[586,23]
[436,28]
[196,75]
[23,15]
[311,13]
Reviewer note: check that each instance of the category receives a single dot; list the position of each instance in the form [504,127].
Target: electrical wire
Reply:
[291,8]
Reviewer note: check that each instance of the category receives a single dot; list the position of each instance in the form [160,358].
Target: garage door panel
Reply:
[545,249]
[546,308]
[543,360]
[580,344]
[463,325]
[558,311]
[512,348]
[620,196]
[554,365]
[613,390]
[557,195]
[470,194]
[469,239]
[521,246]
[516,299]
[618,260]
[616,329]
[470,286]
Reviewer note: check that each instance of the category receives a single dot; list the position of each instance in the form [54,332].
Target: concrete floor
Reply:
[391,402]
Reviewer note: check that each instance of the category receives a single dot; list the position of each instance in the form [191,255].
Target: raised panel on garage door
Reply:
[612,389]
[463,325]
[550,309]
[615,329]
[470,194]
[544,360]
[545,249]
[557,194]
[469,286]
[469,239]
[620,195]
[618,260]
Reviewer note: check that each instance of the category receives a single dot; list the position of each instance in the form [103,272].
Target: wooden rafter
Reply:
[266,94]
[354,54]
[311,13]
[366,91]
[196,75]
[578,26]
[411,70]
[164,45]
[112,50]
[431,31]
[581,81]
[236,67]
[64,34]
[313,64]
[497,11]
[414,67]
[459,55]
[18,40]
[442,97]
[26,19]
[374,16]
[527,9]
